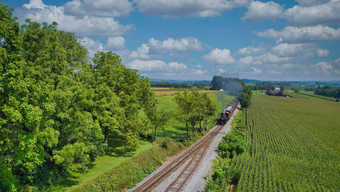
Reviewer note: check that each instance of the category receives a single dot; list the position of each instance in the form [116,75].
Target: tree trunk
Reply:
[201,126]
[186,126]
[106,135]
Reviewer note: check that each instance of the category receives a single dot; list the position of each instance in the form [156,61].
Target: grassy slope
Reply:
[175,130]
[293,145]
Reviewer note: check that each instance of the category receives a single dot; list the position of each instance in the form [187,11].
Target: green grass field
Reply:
[293,145]
[175,130]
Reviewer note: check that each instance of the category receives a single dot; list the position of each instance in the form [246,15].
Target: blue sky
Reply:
[196,39]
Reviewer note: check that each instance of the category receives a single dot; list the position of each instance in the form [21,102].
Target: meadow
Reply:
[110,164]
[292,145]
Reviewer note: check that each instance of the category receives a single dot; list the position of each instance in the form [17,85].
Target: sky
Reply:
[197,39]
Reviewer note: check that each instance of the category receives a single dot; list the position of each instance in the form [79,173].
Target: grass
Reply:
[162,92]
[175,130]
[292,145]
[134,170]
[99,167]
[256,91]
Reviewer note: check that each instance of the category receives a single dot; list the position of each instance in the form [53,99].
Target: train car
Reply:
[227,112]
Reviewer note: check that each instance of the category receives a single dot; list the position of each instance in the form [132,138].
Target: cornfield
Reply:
[293,144]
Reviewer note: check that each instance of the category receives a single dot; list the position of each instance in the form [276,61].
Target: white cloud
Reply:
[81,25]
[256,70]
[35,4]
[221,71]
[198,71]
[180,8]
[247,60]
[155,48]
[259,11]
[183,44]
[250,50]
[115,43]
[324,68]
[299,50]
[322,53]
[323,13]
[219,56]
[142,52]
[91,45]
[156,65]
[99,8]
[302,34]
[271,58]
[311,2]
[337,61]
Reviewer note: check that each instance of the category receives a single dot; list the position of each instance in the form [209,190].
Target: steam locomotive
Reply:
[227,113]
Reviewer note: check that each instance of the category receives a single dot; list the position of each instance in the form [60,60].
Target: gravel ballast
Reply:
[197,181]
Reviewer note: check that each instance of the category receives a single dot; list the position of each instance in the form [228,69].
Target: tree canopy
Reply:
[57,109]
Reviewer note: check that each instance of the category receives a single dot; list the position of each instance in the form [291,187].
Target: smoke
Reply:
[233,87]
[222,98]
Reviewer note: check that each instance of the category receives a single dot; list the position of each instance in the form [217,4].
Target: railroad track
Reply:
[193,154]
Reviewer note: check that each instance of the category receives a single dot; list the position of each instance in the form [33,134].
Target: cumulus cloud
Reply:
[184,44]
[156,48]
[91,45]
[250,50]
[156,65]
[259,11]
[35,4]
[247,60]
[312,2]
[302,34]
[80,25]
[256,70]
[299,49]
[318,13]
[337,61]
[324,68]
[115,43]
[180,8]
[99,8]
[218,56]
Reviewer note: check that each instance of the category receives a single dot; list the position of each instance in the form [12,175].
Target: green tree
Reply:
[245,97]
[184,106]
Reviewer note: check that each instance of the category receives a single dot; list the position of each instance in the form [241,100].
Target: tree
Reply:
[282,88]
[194,108]
[245,97]
[158,119]
[184,108]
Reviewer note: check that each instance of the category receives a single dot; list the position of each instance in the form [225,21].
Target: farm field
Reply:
[292,145]
[175,130]
[168,91]
[314,96]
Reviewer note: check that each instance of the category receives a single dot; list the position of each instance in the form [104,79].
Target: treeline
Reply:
[233,85]
[245,97]
[165,84]
[194,108]
[232,144]
[57,109]
[328,91]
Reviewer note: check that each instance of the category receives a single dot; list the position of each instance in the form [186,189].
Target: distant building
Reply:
[277,89]
[221,90]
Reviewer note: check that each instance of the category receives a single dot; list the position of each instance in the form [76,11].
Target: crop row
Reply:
[289,147]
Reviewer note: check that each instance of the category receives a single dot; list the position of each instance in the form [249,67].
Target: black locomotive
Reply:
[227,113]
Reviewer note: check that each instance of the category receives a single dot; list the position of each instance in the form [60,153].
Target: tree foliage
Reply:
[233,85]
[194,108]
[328,91]
[57,109]
[245,97]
